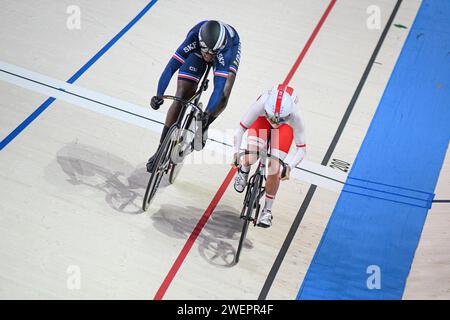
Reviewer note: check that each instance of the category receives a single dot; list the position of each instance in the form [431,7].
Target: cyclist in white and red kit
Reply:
[275,114]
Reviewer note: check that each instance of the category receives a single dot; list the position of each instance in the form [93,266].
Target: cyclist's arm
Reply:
[224,76]
[177,60]
[223,84]
[298,127]
[256,110]
[167,74]
[238,134]
[218,98]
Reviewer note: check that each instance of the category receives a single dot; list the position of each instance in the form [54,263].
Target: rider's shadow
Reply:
[122,184]
[219,237]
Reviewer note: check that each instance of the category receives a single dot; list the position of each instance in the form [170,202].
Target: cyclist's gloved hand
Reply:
[235,163]
[156,102]
[286,172]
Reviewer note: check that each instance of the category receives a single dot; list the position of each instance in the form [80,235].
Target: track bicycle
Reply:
[178,143]
[255,190]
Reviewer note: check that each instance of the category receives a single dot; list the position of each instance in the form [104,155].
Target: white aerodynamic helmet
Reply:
[280,103]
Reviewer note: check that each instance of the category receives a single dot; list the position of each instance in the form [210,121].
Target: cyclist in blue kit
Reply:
[208,42]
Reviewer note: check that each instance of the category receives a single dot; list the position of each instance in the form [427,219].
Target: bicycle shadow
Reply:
[124,186]
[219,237]
[122,183]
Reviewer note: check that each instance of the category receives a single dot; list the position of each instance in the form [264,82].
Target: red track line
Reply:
[190,242]
[223,187]
[308,44]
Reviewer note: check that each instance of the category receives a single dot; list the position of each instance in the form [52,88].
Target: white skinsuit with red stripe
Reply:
[295,121]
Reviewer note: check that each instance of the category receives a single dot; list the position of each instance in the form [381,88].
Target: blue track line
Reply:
[77,75]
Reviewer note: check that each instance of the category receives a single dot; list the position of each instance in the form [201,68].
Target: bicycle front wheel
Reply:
[251,206]
[159,168]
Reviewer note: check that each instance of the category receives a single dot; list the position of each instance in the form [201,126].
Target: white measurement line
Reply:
[313,173]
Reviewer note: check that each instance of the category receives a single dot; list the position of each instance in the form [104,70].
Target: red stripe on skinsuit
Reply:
[279,98]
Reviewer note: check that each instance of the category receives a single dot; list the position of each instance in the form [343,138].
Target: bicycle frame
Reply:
[183,120]
[260,173]
[255,190]
[194,100]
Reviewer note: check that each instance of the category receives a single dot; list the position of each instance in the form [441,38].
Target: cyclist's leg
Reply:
[280,143]
[185,90]
[189,76]
[256,141]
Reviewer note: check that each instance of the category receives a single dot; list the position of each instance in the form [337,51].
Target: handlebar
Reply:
[196,96]
[183,101]
[266,155]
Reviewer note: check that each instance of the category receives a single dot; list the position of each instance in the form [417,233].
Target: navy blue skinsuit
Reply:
[188,59]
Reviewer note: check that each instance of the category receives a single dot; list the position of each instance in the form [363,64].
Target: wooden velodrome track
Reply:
[71,183]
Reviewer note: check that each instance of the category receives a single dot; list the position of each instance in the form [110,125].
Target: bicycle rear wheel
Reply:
[251,206]
[159,168]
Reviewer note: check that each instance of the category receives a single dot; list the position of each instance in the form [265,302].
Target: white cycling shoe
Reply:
[240,182]
[265,219]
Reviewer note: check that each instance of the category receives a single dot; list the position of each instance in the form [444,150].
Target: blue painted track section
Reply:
[380,214]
